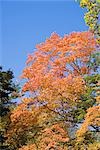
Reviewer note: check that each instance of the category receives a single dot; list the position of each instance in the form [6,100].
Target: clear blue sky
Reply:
[23,24]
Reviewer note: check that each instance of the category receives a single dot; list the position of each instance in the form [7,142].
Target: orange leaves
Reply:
[28,147]
[22,115]
[94,146]
[92,118]
[52,137]
[53,56]
[55,70]
[50,43]
[23,124]
[55,79]
[92,114]
[98,99]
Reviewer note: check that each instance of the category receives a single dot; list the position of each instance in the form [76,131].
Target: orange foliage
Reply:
[54,72]
[28,147]
[52,137]
[23,121]
[92,118]
[27,121]
[25,116]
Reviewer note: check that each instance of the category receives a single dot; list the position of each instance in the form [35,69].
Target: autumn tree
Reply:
[28,127]
[64,64]
[55,82]
[52,137]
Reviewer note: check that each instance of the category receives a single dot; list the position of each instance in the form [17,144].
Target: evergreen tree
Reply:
[8,92]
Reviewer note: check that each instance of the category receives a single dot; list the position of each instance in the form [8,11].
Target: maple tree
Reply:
[58,64]
[60,109]
[55,71]
[59,94]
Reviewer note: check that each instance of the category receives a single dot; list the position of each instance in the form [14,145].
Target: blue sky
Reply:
[25,23]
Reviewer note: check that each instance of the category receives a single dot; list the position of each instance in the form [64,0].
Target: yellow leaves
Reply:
[92,118]
[42,118]
[98,99]
[27,100]
[84,2]
[94,146]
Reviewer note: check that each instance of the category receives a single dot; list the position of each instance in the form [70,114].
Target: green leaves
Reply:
[92,16]
[7,87]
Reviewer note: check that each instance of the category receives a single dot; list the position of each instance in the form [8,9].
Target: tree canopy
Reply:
[60,97]
[8,92]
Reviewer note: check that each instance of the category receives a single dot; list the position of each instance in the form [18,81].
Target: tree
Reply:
[92,16]
[52,137]
[57,65]
[8,91]
[55,82]
[92,20]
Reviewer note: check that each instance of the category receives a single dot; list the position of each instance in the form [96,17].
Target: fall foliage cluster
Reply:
[60,102]
[62,92]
